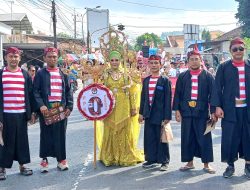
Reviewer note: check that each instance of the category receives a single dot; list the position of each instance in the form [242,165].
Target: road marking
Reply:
[87,161]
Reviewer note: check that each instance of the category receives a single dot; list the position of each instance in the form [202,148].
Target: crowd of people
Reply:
[199,96]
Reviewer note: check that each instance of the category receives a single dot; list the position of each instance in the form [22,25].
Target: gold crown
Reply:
[114,40]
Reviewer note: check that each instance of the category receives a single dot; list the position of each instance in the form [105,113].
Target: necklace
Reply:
[115,75]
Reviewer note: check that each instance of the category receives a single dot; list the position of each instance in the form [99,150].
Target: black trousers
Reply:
[53,139]
[193,142]
[15,137]
[154,150]
[235,141]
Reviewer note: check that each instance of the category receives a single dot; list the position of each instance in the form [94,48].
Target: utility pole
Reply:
[11,18]
[53,14]
[83,32]
[75,23]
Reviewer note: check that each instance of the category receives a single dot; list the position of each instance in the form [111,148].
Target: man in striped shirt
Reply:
[232,101]
[52,88]
[155,109]
[15,111]
[191,104]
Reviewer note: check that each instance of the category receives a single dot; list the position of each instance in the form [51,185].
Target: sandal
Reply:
[3,174]
[209,170]
[25,171]
[186,168]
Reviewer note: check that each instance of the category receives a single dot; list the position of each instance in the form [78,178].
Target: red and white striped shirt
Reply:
[55,85]
[241,71]
[151,88]
[13,91]
[194,79]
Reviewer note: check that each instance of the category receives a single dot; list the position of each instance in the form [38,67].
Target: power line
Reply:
[168,8]
[220,24]
[36,15]
[3,10]
[32,12]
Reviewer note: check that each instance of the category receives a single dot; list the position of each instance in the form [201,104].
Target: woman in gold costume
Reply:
[119,140]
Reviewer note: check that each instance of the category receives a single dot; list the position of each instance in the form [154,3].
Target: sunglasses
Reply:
[235,49]
[33,70]
[114,60]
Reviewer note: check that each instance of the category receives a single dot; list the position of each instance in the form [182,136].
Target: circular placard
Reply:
[95,102]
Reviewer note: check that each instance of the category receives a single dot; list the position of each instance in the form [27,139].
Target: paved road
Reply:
[82,175]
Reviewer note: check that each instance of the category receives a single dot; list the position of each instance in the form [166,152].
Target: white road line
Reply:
[87,161]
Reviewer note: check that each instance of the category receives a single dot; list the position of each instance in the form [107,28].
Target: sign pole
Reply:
[95,102]
[95,144]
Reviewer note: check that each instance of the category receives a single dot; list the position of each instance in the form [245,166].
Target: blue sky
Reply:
[134,17]
[124,11]
[117,5]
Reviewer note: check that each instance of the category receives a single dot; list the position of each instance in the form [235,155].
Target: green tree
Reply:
[205,35]
[63,35]
[149,38]
[244,16]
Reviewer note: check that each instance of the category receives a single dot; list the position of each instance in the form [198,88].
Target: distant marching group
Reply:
[198,97]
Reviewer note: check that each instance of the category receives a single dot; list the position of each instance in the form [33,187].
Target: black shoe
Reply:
[247,172]
[148,164]
[229,172]
[3,174]
[164,167]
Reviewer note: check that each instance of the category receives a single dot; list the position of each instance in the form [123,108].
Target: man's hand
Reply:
[1,138]
[140,119]
[67,113]
[219,112]
[177,116]
[33,118]
[213,117]
[165,122]
[133,112]
[43,110]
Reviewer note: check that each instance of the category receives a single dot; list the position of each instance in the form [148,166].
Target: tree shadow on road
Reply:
[138,178]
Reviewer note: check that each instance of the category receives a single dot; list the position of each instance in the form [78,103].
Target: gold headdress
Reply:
[114,40]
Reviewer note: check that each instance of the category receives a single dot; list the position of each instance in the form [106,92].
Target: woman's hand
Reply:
[140,119]
[133,112]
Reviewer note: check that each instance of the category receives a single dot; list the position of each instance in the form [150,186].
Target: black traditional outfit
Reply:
[155,107]
[15,111]
[52,137]
[232,89]
[192,98]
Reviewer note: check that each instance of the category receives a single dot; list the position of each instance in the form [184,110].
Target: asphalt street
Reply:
[82,175]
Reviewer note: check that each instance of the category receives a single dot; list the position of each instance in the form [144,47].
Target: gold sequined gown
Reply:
[121,131]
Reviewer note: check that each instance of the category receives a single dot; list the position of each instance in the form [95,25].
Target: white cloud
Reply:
[168,20]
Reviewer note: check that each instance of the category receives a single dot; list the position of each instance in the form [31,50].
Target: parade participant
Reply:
[15,111]
[117,145]
[32,71]
[183,67]
[173,69]
[52,89]
[191,104]
[165,69]
[232,105]
[155,109]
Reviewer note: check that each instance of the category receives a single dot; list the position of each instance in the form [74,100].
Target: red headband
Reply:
[235,41]
[50,49]
[155,57]
[13,50]
[195,51]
